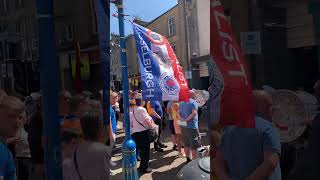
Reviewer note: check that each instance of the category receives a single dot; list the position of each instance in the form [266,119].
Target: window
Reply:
[93,18]
[34,43]
[19,3]
[1,51]
[5,6]
[19,27]
[171,26]
[69,32]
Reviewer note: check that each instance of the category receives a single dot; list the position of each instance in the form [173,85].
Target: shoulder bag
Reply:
[76,163]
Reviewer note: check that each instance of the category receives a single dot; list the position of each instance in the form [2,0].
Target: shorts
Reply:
[171,126]
[191,138]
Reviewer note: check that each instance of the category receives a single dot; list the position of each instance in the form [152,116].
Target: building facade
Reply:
[78,25]
[289,56]
[188,35]
[19,46]
[19,56]
[279,40]
[171,25]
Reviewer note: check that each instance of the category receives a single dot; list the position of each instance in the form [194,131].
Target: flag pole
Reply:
[128,146]
[78,84]
[49,87]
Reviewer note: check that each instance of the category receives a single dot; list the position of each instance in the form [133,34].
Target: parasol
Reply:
[292,111]
[202,97]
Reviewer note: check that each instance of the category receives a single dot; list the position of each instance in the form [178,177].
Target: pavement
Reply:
[165,164]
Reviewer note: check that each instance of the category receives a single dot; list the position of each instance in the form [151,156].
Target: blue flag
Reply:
[162,76]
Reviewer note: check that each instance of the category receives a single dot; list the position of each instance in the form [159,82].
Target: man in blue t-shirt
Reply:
[189,126]
[11,119]
[114,98]
[251,153]
[7,166]
[113,120]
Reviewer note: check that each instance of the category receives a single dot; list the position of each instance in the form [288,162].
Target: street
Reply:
[165,164]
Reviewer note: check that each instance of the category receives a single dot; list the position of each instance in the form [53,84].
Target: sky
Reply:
[146,10]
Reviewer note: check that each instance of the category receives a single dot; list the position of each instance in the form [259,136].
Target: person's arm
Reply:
[13,140]
[192,115]
[3,159]
[220,166]
[178,116]
[272,151]
[169,108]
[156,114]
[147,119]
[270,162]
[110,130]
[151,111]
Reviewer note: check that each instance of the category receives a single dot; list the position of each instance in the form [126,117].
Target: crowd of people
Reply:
[82,132]
[87,144]
[256,153]
[183,123]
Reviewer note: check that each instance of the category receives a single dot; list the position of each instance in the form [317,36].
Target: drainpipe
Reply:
[185,14]
[314,9]
[255,24]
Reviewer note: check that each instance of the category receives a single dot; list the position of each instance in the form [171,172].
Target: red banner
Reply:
[235,96]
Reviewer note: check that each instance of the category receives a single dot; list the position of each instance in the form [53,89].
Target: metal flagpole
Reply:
[49,87]
[128,147]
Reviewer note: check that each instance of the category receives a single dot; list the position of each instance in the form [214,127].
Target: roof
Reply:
[161,15]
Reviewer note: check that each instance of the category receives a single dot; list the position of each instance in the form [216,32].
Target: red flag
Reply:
[78,69]
[235,98]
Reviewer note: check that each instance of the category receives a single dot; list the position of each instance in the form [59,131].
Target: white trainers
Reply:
[111,173]
[113,164]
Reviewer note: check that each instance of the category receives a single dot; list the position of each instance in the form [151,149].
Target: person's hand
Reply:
[13,140]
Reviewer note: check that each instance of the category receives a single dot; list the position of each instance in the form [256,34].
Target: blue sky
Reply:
[146,10]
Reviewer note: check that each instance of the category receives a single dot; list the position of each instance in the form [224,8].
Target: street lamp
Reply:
[128,146]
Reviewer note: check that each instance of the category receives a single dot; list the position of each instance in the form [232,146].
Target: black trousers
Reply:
[144,148]
[23,168]
[159,123]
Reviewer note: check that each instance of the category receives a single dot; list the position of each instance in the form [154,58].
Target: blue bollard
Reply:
[129,161]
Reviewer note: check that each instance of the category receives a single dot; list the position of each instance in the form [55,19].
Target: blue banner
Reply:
[102,8]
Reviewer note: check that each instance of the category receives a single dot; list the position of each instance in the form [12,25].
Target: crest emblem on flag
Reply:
[169,85]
